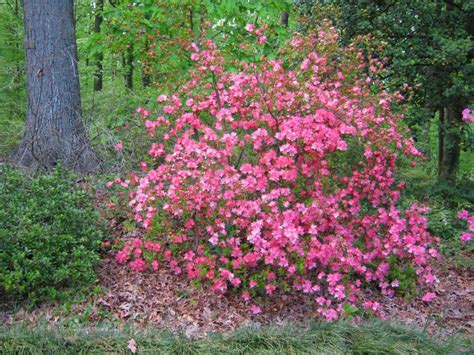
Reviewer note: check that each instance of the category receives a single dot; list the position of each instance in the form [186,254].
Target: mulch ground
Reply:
[165,300]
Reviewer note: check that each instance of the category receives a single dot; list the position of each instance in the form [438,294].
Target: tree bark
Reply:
[441,125]
[451,151]
[54,131]
[127,61]
[146,79]
[284,17]
[99,72]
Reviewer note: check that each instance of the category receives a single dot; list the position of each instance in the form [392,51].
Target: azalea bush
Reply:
[280,176]
[467,235]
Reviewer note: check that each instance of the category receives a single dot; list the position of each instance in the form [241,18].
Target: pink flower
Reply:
[262,39]
[270,289]
[138,265]
[162,98]
[245,296]
[219,286]
[152,246]
[118,147]
[333,279]
[144,113]
[374,306]
[463,214]
[236,282]
[122,255]
[428,297]
[255,309]
[189,224]
[468,116]
[465,237]
[194,56]
[154,265]
[330,314]
[250,27]
[137,243]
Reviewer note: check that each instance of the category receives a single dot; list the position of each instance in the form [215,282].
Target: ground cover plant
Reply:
[280,176]
[318,338]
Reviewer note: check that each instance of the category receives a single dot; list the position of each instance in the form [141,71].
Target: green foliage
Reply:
[428,42]
[428,48]
[374,337]
[12,77]
[49,236]
[406,276]
[444,201]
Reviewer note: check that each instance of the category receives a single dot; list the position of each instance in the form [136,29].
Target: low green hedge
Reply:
[50,236]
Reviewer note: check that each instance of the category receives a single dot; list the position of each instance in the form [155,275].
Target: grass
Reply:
[374,337]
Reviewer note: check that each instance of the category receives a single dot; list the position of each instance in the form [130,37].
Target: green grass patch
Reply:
[374,337]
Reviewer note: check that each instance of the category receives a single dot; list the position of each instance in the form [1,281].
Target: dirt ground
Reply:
[165,300]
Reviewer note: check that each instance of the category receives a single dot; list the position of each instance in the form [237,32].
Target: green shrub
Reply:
[50,236]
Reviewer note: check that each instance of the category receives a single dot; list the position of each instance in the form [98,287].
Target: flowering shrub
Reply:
[280,176]
[464,216]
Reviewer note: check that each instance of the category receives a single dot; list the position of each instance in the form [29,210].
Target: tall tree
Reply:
[54,131]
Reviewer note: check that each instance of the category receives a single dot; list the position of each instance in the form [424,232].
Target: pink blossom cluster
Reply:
[468,116]
[464,215]
[280,176]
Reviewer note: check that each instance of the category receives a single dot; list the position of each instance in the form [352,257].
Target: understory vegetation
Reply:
[50,236]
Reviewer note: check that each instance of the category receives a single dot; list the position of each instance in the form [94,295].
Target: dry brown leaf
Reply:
[132,346]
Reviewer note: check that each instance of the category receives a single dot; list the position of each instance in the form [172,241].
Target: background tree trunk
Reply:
[98,80]
[441,126]
[451,149]
[284,17]
[54,131]
[127,61]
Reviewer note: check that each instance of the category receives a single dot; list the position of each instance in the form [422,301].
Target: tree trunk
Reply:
[54,132]
[146,79]
[441,125]
[449,161]
[127,61]
[98,78]
[284,17]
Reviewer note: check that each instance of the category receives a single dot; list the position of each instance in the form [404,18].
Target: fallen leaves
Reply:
[132,346]
[165,300]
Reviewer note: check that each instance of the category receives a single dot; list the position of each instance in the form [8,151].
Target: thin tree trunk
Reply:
[127,60]
[441,126]
[99,72]
[452,145]
[54,131]
[146,79]
[284,18]
[19,71]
